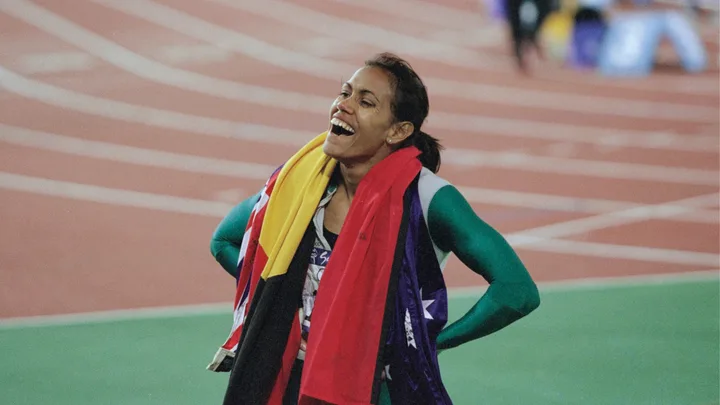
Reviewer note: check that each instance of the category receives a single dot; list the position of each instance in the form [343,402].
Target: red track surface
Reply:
[67,252]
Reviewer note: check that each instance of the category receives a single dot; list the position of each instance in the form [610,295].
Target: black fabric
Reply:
[397,265]
[266,330]
[330,237]
[292,393]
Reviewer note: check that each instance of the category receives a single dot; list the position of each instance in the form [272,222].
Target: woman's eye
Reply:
[345,94]
[366,103]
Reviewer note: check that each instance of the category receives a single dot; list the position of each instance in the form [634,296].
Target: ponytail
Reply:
[429,150]
[410,104]
[429,147]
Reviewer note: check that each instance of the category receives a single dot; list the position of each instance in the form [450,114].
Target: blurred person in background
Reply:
[361,208]
[592,10]
[525,18]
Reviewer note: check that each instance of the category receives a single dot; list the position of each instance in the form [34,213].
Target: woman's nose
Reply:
[346,106]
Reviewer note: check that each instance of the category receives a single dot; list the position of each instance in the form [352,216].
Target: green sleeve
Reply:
[512,293]
[384,394]
[227,238]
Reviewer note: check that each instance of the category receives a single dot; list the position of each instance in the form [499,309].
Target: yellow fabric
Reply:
[556,32]
[293,201]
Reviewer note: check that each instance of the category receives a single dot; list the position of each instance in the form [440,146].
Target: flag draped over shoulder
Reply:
[357,313]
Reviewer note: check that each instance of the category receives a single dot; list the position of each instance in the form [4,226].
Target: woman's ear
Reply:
[399,132]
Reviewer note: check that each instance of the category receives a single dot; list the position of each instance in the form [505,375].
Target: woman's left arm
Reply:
[512,293]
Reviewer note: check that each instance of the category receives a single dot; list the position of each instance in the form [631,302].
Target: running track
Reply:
[125,136]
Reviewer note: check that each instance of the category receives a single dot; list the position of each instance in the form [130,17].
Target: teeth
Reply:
[343,124]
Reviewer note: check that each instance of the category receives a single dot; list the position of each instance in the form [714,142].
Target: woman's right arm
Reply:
[227,238]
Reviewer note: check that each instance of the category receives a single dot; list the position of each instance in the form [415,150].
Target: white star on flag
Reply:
[409,335]
[426,304]
[387,373]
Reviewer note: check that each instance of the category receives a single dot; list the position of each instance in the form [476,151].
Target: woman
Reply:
[360,208]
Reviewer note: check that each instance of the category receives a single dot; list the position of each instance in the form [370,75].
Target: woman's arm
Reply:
[512,293]
[227,238]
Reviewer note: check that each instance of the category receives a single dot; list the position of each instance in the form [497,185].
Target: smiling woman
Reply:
[388,102]
[361,208]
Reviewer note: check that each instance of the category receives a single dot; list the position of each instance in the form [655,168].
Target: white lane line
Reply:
[521,240]
[288,13]
[54,62]
[61,62]
[421,47]
[582,167]
[614,251]
[616,218]
[428,12]
[155,71]
[156,117]
[192,54]
[480,36]
[196,164]
[602,137]
[105,195]
[148,69]
[209,126]
[225,308]
[116,315]
[134,155]
[605,283]
[586,205]
[501,63]
[544,238]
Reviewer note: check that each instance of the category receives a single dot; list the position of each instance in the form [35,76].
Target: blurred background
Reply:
[129,128]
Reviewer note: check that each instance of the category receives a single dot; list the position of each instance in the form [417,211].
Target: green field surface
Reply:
[635,345]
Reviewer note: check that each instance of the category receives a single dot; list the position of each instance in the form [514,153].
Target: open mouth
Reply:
[340,127]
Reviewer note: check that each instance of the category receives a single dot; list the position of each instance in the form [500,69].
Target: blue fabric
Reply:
[587,38]
[630,43]
[421,307]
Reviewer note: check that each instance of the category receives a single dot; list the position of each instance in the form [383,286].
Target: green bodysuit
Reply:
[454,228]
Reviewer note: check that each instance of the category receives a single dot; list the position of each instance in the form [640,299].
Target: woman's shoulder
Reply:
[429,183]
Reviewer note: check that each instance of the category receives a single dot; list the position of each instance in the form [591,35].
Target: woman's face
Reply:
[361,120]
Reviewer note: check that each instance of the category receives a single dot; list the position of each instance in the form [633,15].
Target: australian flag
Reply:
[412,371]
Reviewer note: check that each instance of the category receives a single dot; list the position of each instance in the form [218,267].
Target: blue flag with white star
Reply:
[412,371]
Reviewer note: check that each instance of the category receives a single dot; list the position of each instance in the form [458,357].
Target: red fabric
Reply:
[253,264]
[348,315]
[288,361]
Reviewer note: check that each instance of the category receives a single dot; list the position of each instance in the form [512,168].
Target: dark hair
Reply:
[410,104]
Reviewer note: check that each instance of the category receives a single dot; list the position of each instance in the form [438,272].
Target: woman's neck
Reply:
[352,173]
[350,177]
